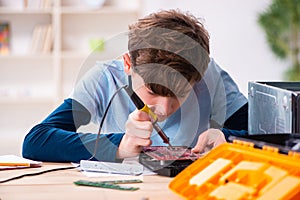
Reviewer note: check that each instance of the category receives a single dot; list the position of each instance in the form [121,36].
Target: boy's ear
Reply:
[127,64]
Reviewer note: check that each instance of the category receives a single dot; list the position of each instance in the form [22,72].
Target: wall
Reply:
[237,42]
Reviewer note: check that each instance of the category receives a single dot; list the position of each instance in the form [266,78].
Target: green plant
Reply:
[281,23]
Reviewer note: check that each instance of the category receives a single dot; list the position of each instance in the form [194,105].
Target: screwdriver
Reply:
[140,105]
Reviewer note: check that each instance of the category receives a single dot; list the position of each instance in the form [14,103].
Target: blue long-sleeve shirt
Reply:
[57,138]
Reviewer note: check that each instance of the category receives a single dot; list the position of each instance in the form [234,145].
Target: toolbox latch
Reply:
[270,149]
[294,154]
[243,143]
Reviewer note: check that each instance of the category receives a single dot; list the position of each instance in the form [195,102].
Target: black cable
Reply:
[95,148]
[37,173]
[102,120]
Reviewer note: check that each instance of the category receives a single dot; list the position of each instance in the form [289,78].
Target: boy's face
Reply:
[162,106]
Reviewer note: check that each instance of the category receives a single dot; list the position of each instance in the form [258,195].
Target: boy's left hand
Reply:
[208,140]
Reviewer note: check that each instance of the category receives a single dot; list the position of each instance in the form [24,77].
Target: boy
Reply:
[171,72]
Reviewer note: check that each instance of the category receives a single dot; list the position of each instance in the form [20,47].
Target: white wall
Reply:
[237,42]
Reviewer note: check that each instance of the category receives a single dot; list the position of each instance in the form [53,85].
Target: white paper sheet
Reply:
[13,161]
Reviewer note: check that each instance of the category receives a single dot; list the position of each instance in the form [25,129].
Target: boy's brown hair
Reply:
[165,43]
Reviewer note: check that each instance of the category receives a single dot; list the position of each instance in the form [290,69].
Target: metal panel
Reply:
[272,107]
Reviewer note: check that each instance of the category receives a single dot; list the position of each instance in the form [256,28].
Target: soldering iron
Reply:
[140,105]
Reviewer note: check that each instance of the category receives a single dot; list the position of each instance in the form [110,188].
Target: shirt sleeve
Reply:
[225,94]
[239,119]
[55,139]
[237,124]
[229,132]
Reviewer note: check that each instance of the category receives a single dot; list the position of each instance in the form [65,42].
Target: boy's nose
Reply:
[164,107]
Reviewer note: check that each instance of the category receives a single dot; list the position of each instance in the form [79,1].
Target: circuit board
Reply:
[110,184]
[166,160]
[170,153]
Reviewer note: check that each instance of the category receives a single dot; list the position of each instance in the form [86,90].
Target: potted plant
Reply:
[281,23]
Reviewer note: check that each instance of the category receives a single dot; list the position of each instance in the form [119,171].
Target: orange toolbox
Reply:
[240,170]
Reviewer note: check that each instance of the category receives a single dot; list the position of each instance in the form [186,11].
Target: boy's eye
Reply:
[151,92]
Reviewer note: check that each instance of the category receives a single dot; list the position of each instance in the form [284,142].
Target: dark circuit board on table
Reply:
[167,160]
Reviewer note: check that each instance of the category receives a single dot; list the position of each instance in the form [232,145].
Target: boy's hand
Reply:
[138,132]
[208,140]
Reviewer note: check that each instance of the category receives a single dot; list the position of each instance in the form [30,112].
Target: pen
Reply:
[140,105]
[14,164]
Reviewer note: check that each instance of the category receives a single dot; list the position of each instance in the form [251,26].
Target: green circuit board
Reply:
[110,184]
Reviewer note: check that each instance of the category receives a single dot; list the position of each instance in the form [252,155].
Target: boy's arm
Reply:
[237,124]
[56,140]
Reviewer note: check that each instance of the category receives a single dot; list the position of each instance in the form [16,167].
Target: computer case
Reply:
[274,107]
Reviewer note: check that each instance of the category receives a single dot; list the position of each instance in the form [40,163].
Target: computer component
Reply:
[110,184]
[167,160]
[274,107]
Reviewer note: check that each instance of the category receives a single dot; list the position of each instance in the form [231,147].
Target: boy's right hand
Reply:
[138,132]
